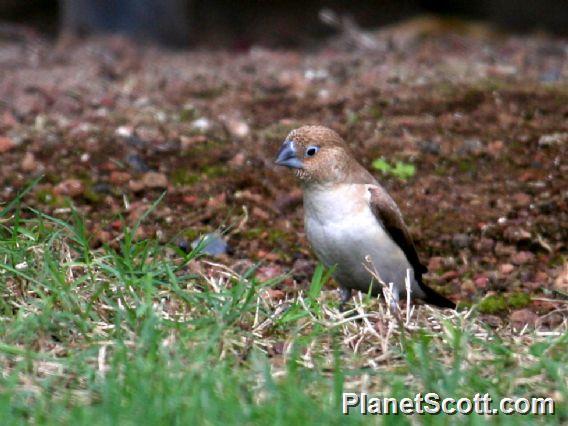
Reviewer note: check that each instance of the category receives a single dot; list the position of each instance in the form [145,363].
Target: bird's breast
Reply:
[344,232]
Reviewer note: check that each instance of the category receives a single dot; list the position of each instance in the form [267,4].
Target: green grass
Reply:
[127,334]
[401,170]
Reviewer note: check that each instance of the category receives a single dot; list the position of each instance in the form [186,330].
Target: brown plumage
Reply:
[350,219]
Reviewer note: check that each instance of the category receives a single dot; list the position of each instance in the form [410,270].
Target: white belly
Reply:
[349,237]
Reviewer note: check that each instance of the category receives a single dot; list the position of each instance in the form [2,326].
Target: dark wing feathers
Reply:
[386,210]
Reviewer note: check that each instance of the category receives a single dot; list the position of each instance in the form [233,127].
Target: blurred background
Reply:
[274,23]
[459,107]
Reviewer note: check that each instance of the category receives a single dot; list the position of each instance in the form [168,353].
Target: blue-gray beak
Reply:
[287,156]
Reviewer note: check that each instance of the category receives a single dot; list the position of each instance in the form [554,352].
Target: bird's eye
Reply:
[311,151]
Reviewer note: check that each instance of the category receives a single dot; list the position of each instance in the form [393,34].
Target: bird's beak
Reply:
[287,156]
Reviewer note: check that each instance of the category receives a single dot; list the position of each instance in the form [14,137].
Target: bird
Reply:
[351,222]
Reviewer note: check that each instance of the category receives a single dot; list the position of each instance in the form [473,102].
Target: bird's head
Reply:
[317,153]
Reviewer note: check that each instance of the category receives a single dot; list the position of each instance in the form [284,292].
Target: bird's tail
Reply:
[432,297]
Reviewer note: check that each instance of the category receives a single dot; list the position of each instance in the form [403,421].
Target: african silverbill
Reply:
[351,221]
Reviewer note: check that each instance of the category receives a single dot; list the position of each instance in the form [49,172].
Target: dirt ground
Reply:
[481,115]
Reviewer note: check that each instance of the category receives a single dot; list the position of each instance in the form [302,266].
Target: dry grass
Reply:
[134,334]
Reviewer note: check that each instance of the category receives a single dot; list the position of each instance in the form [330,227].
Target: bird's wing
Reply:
[386,211]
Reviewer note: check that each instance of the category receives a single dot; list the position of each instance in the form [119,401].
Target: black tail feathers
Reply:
[432,297]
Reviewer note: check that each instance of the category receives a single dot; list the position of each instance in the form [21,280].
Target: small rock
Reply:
[136,163]
[6,144]
[136,142]
[302,269]
[485,245]
[217,202]
[561,281]
[102,236]
[553,320]
[496,281]
[521,199]
[471,146]
[238,160]
[187,142]
[542,277]
[237,128]
[29,163]
[119,178]
[461,241]
[430,147]
[481,282]
[260,213]
[155,180]
[506,268]
[70,187]
[250,196]
[136,185]
[124,131]
[435,263]
[201,124]
[274,294]
[189,199]
[495,148]
[516,235]
[278,348]
[522,257]
[553,139]
[504,250]
[268,255]
[467,287]
[523,317]
[212,244]
[492,320]
[550,76]
[269,272]
[102,188]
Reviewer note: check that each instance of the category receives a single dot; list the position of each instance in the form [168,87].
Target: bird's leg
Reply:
[345,296]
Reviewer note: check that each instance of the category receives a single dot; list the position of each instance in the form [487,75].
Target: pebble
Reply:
[471,146]
[523,317]
[302,269]
[514,234]
[102,188]
[137,163]
[6,144]
[70,187]
[461,241]
[29,163]
[553,139]
[213,244]
[239,129]
[522,257]
[506,268]
[430,147]
[136,185]
[274,294]
[155,180]
[201,124]
[269,272]
[119,178]
[481,282]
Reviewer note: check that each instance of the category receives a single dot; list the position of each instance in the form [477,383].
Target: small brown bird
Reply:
[351,221]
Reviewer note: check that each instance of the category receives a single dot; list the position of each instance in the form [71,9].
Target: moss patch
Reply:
[501,303]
